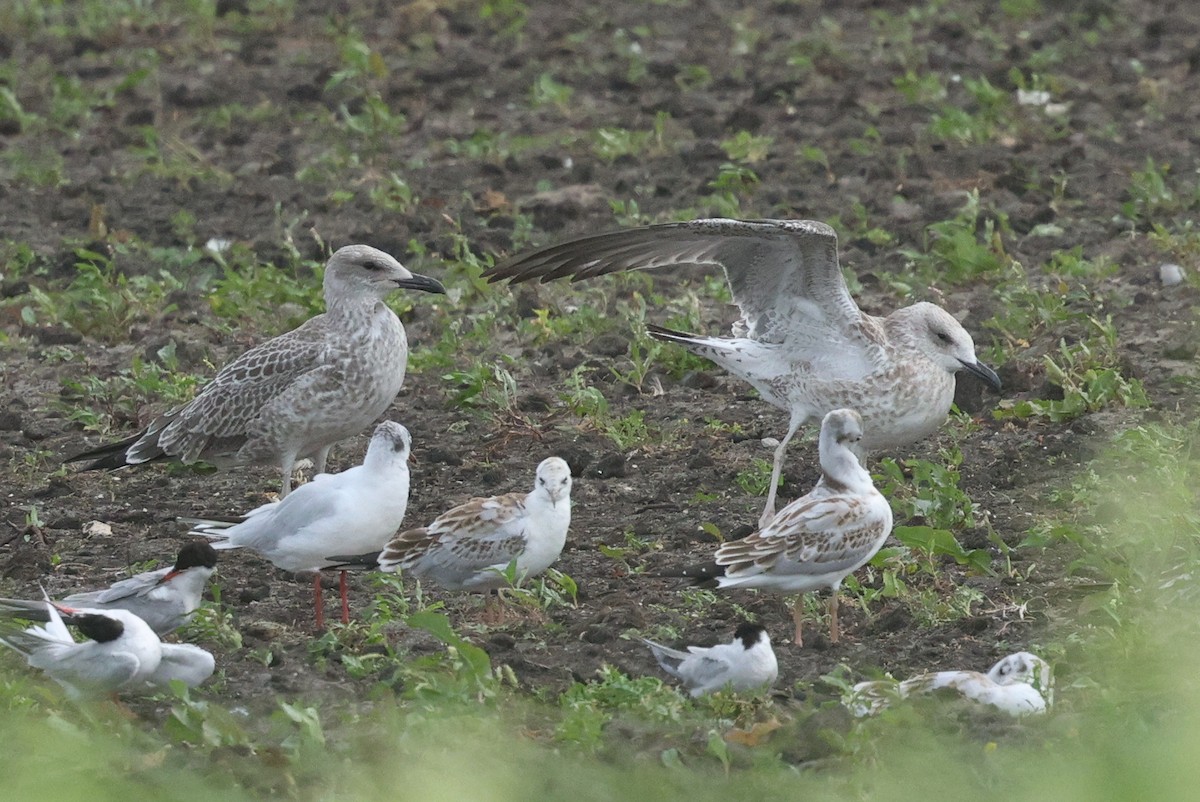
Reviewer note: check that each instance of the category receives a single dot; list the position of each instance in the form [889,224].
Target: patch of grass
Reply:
[981,117]
[1090,377]
[282,297]
[756,480]
[590,405]
[611,143]
[104,405]
[102,300]
[1153,195]
[488,387]
[967,247]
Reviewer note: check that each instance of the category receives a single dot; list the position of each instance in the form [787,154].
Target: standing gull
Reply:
[471,546]
[1019,684]
[802,341]
[357,509]
[293,397]
[165,599]
[820,538]
[122,653]
[746,663]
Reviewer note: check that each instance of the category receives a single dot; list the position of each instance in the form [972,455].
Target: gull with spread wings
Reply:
[802,341]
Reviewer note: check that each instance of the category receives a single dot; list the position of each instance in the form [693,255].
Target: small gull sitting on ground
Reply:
[471,546]
[123,653]
[165,599]
[1019,684]
[802,341]
[359,508]
[816,541]
[295,396]
[744,664]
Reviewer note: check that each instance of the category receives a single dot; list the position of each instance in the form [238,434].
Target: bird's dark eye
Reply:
[942,336]
[373,265]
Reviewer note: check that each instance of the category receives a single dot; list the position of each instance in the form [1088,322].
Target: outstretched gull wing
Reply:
[783,274]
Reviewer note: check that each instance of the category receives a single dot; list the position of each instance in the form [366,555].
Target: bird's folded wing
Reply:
[232,400]
[85,667]
[132,586]
[825,535]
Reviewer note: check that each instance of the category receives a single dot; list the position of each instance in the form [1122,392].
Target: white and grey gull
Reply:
[355,510]
[293,397]
[802,341]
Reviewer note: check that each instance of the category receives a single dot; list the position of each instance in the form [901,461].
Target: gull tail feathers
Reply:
[667,657]
[213,529]
[22,608]
[111,456]
[696,343]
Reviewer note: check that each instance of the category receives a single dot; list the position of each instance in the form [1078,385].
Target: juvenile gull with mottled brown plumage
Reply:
[819,539]
[294,396]
[802,341]
[471,546]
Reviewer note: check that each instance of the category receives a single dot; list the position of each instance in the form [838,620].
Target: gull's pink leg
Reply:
[318,601]
[798,617]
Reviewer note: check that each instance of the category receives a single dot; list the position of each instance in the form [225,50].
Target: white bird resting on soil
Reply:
[472,546]
[123,653]
[1019,684]
[802,341]
[165,599]
[357,509]
[746,663]
[818,539]
[295,396]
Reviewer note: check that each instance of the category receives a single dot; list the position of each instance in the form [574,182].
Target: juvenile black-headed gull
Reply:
[1019,684]
[293,397]
[357,509]
[802,341]
[123,653]
[165,599]
[471,546]
[745,663]
[818,539]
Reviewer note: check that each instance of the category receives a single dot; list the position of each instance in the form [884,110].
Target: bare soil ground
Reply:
[452,74]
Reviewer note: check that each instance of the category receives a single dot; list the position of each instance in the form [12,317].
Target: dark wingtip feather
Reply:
[670,335]
[111,456]
[704,575]
[353,562]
